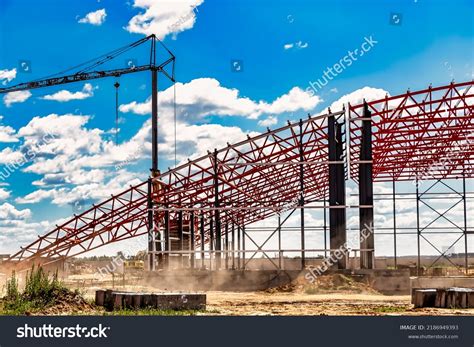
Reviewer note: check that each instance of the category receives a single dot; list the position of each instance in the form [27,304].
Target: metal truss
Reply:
[276,171]
[427,134]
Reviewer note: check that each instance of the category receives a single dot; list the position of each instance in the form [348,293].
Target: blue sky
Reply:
[283,46]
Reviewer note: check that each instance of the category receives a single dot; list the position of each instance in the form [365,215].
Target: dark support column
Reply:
[202,242]
[154,120]
[243,247]
[279,242]
[394,224]
[366,192]
[325,229]
[238,247]
[211,240]
[337,189]
[466,263]
[151,227]
[301,200]
[180,236]
[167,237]
[217,213]
[226,243]
[418,263]
[233,246]
[192,240]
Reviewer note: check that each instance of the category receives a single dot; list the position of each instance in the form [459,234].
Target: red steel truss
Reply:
[261,176]
[427,134]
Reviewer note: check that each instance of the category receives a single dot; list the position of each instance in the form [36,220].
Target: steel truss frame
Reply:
[282,169]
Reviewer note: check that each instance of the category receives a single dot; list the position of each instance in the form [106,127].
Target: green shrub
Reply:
[41,290]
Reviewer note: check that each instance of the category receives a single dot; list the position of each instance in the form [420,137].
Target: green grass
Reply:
[390,309]
[41,291]
[154,312]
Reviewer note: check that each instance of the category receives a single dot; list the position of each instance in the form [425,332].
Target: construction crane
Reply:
[89,71]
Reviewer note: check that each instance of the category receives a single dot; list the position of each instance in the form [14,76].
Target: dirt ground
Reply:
[331,304]
[332,296]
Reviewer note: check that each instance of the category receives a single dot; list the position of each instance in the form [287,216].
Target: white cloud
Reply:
[206,96]
[16,97]
[7,134]
[94,18]
[66,95]
[163,17]
[302,45]
[269,121]
[7,75]
[9,212]
[4,194]
[297,45]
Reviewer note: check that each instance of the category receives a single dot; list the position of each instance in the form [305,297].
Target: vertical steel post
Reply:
[366,192]
[233,246]
[217,213]
[226,243]
[238,247]
[418,265]
[279,242]
[192,240]
[325,228]
[167,237]
[394,224]
[154,120]
[301,200]
[243,247]
[202,241]
[466,262]
[337,192]
[180,236]
[211,240]
[151,228]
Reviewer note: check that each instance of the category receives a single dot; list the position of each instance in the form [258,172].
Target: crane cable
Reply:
[116,85]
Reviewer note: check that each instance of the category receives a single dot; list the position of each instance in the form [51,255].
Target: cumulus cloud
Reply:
[206,96]
[7,76]
[66,95]
[7,133]
[9,212]
[94,18]
[269,121]
[163,17]
[16,97]
[4,194]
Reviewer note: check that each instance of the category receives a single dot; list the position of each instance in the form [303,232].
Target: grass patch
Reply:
[390,309]
[41,292]
[153,312]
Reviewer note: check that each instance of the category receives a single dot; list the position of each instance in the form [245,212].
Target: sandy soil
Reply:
[334,304]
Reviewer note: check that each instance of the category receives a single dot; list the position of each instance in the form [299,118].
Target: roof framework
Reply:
[259,177]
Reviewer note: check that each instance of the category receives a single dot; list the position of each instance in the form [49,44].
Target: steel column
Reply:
[279,242]
[151,228]
[337,216]
[394,224]
[418,232]
[301,200]
[217,213]
[238,247]
[192,240]
[180,236]
[366,193]
[466,262]
[202,242]
[154,120]
[233,246]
